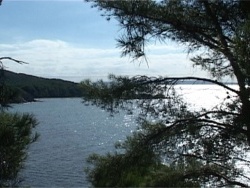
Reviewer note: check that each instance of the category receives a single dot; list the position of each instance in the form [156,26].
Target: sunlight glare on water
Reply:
[203,96]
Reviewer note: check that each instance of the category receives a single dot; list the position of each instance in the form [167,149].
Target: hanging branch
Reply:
[12,59]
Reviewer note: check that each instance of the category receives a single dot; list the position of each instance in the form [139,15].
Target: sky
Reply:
[72,41]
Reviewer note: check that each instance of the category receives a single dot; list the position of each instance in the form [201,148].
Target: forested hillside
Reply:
[27,87]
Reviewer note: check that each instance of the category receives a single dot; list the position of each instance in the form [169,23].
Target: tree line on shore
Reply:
[26,88]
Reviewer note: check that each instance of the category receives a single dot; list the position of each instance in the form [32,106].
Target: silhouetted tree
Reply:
[211,141]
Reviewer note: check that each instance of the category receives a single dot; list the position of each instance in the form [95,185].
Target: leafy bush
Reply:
[15,137]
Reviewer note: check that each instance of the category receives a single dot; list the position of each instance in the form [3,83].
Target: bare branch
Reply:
[12,59]
[177,79]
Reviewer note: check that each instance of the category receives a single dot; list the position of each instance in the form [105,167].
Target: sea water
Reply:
[70,132]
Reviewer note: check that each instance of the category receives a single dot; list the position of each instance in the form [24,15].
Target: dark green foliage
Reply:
[126,168]
[135,165]
[29,87]
[205,144]
[7,94]
[15,136]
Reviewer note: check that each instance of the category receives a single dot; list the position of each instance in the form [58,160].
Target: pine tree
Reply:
[201,147]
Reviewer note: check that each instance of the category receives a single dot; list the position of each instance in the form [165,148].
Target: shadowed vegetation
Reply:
[16,134]
[183,146]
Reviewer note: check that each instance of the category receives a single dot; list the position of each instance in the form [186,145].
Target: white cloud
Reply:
[59,59]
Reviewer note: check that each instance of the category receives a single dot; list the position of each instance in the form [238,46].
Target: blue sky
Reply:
[70,40]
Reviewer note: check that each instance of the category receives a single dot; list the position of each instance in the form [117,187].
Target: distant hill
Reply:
[28,87]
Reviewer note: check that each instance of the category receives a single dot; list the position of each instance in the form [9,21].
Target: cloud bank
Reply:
[59,59]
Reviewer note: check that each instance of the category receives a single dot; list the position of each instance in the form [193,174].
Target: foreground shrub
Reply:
[15,137]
